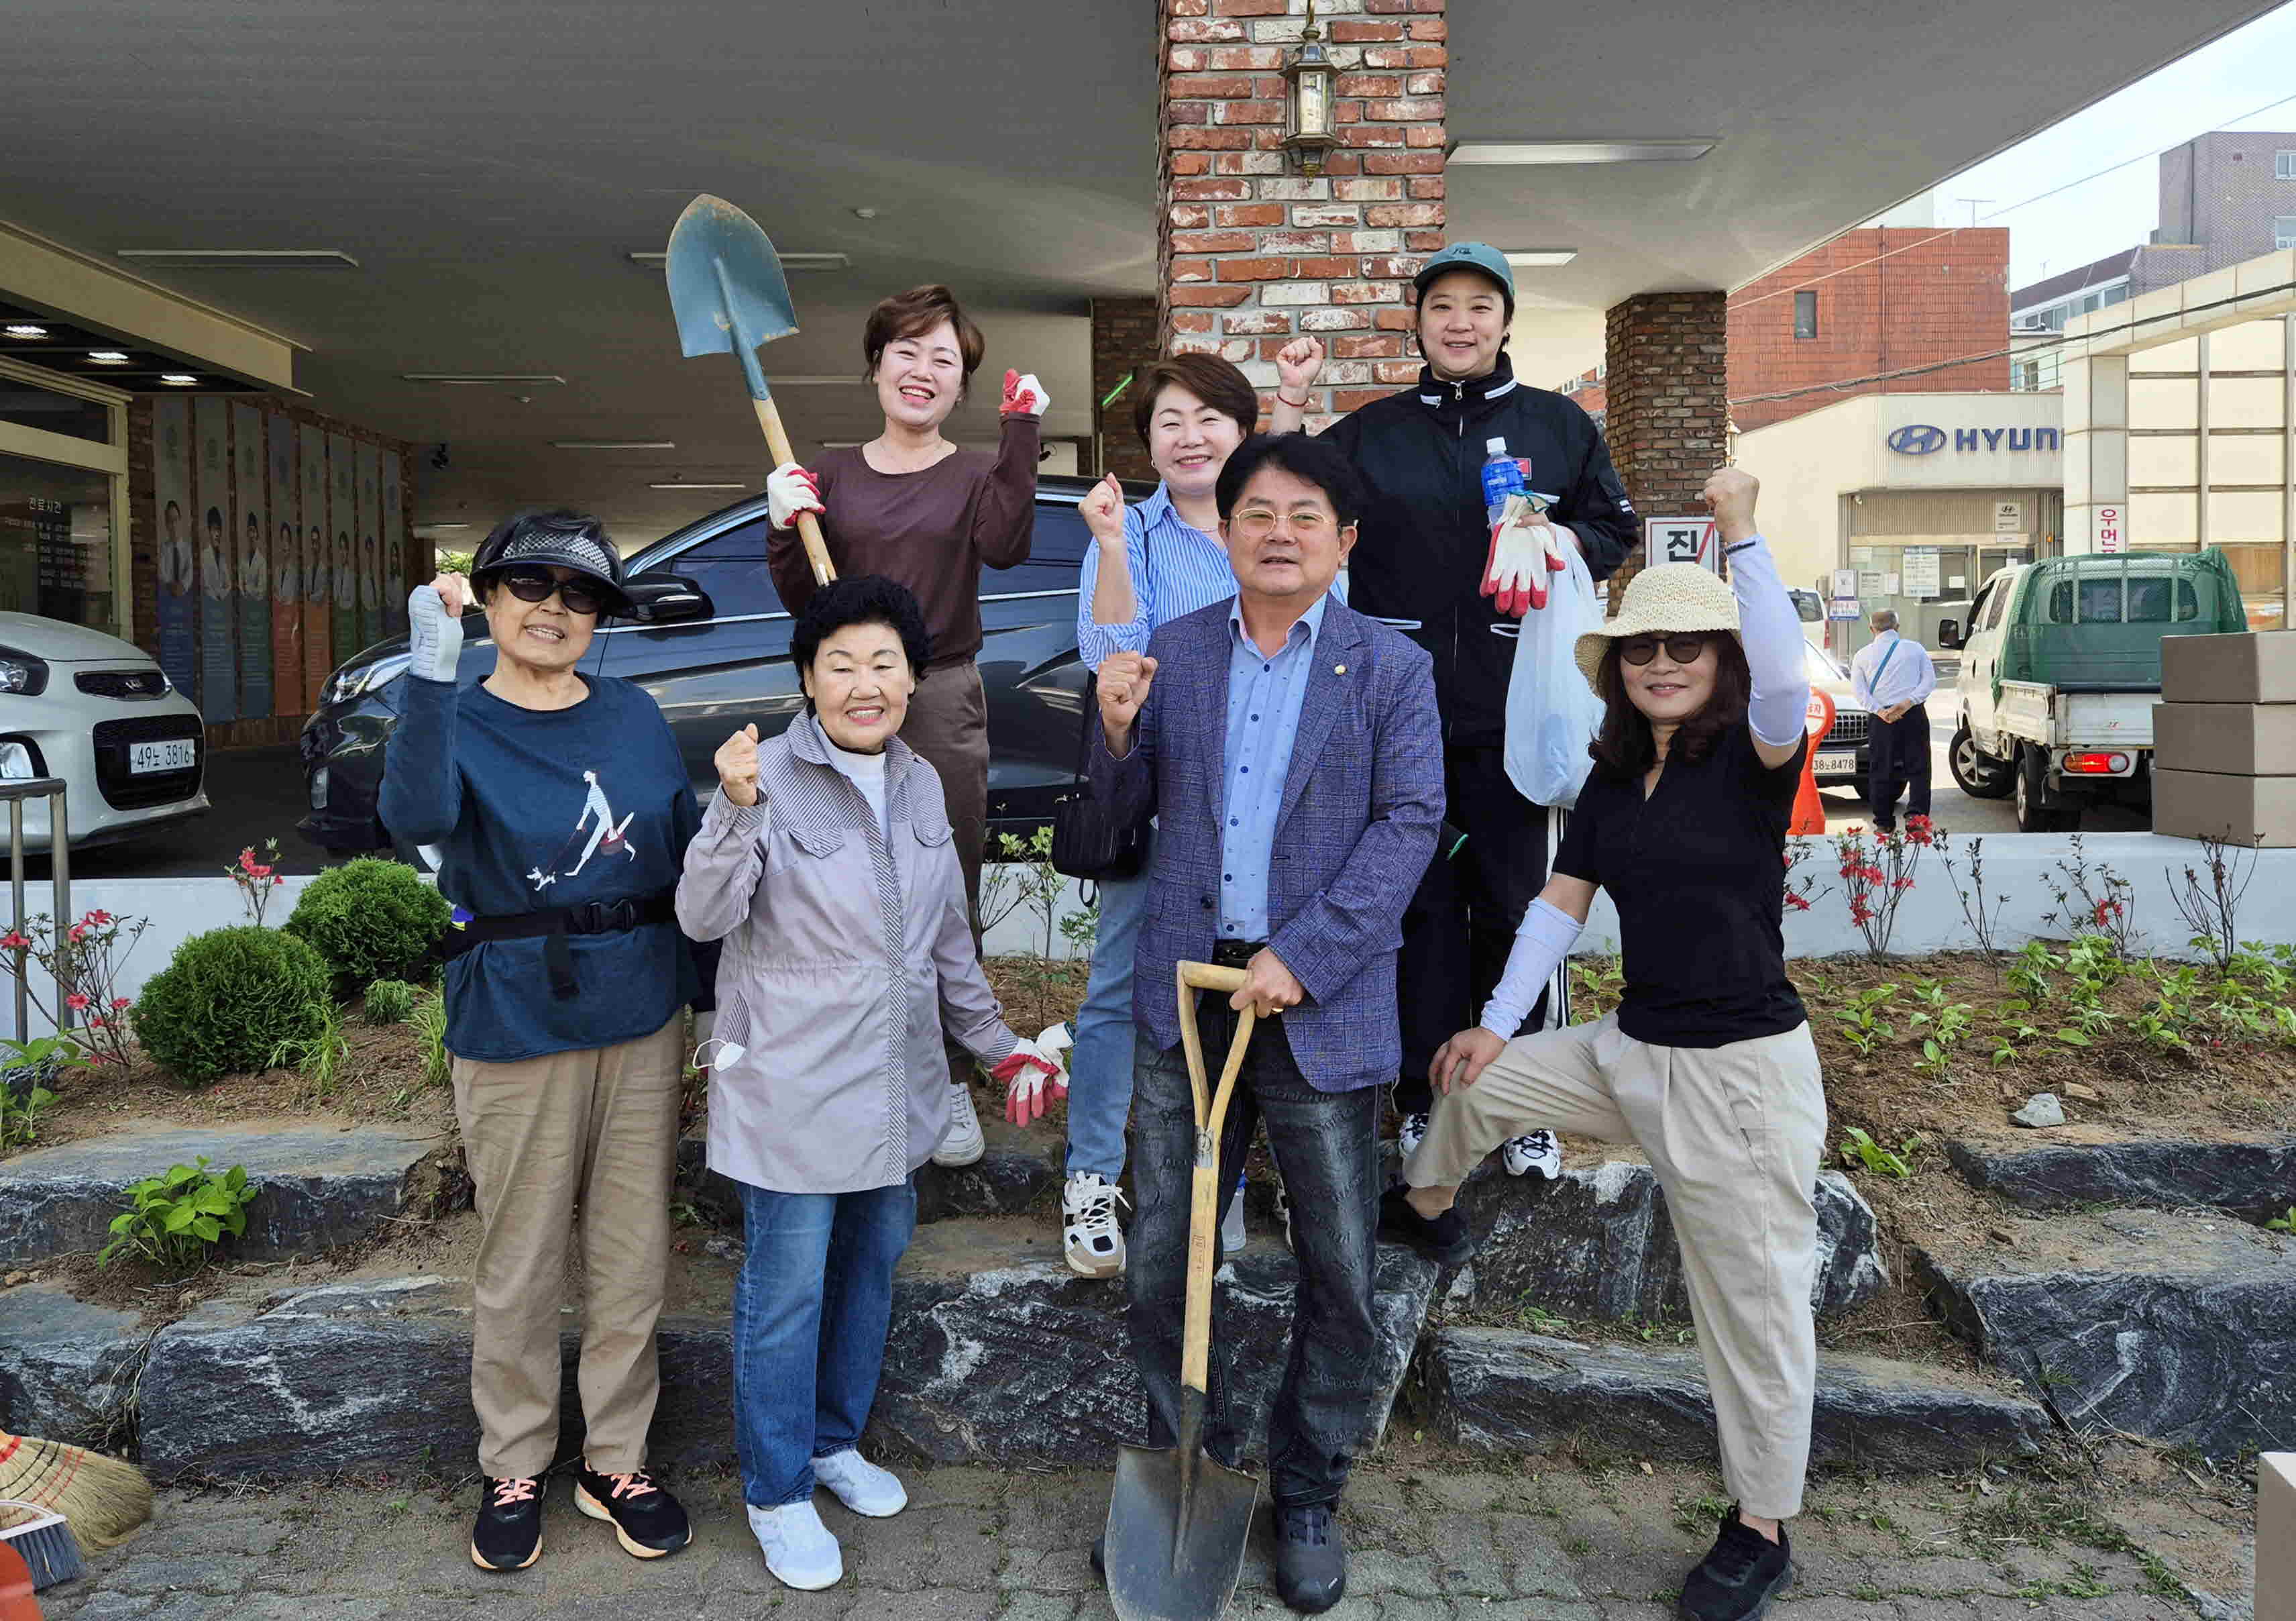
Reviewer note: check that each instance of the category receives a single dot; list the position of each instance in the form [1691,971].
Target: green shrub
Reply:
[227,999]
[370,919]
[390,1001]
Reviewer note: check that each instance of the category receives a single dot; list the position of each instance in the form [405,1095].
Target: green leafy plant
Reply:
[1023,876]
[227,999]
[318,1055]
[2283,1223]
[20,1115]
[429,1018]
[1861,1021]
[1859,1148]
[174,1220]
[390,1001]
[2029,975]
[1940,1024]
[1597,984]
[370,919]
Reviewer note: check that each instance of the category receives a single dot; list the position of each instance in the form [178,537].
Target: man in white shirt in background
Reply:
[1891,677]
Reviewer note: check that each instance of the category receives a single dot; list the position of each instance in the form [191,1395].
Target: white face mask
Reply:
[728,1052]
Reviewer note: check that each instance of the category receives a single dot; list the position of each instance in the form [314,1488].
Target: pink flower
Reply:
[1801,903]
[13,941]
[119,1003]
[75,1001]
[97,917]
[275,882]
[78,932]
[96,1023]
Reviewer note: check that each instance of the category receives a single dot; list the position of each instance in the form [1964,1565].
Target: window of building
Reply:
[63,553]
[1806,315]
[2283,231]
[2283,166]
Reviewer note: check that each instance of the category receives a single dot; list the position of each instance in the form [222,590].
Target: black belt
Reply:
[554,924]
[1236,953]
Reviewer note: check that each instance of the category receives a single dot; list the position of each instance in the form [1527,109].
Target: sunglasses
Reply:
[1639,650]
[532,585]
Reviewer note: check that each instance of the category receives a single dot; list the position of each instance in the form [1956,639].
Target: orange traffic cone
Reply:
[1809,809]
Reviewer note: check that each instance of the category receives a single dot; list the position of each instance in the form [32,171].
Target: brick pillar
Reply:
[1667,402]
[1123,340]
[1251,251]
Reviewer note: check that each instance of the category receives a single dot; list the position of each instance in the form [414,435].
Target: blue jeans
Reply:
[810,1311]
[1100,1069]
[1326,1148]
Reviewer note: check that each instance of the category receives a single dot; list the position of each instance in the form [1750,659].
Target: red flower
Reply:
[78,932]
[97,917]
[13,941]
[75,1001]
[118,1003]
[1801,903]
[1902,883]
[96,1023]
[275,882]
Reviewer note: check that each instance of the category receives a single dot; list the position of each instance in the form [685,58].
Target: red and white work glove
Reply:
[1024,396]
[1525,549]
[1034,1076]
[790,490]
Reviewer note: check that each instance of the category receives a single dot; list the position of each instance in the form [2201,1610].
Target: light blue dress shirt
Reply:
[1879,679]
[1176,567]
[1264,697]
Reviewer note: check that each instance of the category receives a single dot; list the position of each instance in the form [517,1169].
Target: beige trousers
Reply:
[596,1129]
[1736,1134]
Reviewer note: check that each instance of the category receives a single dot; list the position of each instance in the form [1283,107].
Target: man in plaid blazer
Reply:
[1289,749]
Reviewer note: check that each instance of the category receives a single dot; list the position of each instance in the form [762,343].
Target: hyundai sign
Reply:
[1925,439]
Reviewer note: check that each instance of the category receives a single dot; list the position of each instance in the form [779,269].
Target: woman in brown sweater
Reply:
[911,505]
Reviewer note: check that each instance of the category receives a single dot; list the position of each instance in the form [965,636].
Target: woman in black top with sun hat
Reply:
[1708,1065]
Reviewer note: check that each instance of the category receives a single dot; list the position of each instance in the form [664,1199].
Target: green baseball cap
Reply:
[1478,256]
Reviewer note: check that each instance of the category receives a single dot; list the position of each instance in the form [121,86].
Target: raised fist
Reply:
[737,767]
[1103,509]
[1125,679]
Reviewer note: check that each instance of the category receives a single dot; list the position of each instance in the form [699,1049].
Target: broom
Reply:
[102,1497]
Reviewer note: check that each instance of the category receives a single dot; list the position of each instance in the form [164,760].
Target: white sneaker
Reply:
[1536,1151]
[799,1548]
[961,1144]
[1094,1241]
[1232,1233]
[860,1485]
[1415,1127]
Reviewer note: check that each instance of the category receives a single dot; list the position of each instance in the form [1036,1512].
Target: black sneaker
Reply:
[1740,1576]
[1311,1562]
[1444,1240]
[508,1535]
[648,1521]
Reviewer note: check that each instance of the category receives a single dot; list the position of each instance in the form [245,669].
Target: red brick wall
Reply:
[1124,333]
[1253,251]
[1665,354]
[1886,301]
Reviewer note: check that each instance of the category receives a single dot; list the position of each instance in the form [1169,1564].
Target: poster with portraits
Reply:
[284,499]
[370,539]
[171,499]
[218,599]
[318,634]
[342,547]
[252,560]
[395,583]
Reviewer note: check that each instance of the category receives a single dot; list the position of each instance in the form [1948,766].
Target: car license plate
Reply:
[1836,765]
[176,756]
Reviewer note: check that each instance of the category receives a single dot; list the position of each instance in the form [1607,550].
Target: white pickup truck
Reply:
[2060,668]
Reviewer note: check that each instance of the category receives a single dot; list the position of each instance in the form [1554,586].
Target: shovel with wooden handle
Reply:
[1178,1517]
[728,292]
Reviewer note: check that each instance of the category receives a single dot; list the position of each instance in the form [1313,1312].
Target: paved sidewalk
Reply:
[976,1544]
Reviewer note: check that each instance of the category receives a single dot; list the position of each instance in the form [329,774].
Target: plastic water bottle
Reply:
[1502,478]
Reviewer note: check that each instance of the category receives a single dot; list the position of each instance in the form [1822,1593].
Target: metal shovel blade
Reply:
[725,283]
[1177,1525]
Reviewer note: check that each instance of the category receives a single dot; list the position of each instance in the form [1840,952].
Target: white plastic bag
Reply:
[1552,714]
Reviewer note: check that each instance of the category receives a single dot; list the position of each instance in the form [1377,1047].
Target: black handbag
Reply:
[1088,841]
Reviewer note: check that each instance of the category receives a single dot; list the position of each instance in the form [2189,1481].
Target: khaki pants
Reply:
[1736,1134]
[596,1129]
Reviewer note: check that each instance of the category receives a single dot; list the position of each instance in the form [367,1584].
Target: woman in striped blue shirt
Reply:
[1148,565]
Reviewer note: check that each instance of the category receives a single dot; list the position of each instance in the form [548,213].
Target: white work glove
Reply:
[790,490]
[434,627]
[1034,1076]
[1024,396]
[1525,549]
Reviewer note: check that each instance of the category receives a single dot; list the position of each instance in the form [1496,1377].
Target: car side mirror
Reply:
[666,599]
[1949,633]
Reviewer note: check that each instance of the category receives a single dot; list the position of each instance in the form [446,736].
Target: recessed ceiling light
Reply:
[24,329]
[473,379]
[242,258]
[695,486]
[108,356]
[611,444]
[181,380]
[448,525]
[1532,259]
[1579,151]
[844,380]
[841,444]
[652,260]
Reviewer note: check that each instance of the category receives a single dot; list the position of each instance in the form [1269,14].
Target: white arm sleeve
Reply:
[434,637]
[1545,939]
[1771,631]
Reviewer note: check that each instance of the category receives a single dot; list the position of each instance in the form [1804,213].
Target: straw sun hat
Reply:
[1672,597]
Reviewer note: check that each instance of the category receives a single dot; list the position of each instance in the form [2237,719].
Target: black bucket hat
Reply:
[555,535]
